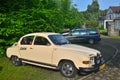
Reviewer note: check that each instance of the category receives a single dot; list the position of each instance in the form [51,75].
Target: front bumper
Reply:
[99,65]
[93,69]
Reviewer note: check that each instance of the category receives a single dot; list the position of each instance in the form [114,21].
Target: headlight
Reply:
[98,59]
[92,58]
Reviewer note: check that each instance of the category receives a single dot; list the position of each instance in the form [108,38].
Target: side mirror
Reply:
[70,34]
[48,44]
[15,44]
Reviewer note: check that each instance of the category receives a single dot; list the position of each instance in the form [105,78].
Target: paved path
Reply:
[112,70]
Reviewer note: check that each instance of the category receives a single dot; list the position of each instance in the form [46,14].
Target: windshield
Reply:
[58,39]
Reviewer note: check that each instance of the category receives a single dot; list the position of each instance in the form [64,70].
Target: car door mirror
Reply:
[48,44]
[15,44]
[70,34]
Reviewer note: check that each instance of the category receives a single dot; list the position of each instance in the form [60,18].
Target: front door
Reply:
[42,50]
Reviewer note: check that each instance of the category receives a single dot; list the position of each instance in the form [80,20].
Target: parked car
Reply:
[52,50]
[83,35]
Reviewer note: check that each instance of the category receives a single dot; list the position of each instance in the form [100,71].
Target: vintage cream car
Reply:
[52,50]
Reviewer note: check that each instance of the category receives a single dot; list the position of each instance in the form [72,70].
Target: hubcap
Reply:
[91,41]
[67,69]
[15,60]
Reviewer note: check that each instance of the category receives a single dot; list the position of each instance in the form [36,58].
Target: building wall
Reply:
[111,29]
[113,26]
[117,24]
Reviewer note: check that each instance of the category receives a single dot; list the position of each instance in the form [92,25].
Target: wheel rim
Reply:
[15,61]
[67,69]
[91,41]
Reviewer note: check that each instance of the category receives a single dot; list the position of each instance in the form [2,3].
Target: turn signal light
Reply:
[85,62]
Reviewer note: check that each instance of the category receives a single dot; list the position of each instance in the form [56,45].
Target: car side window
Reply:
[41,41]
[93,32]
[83,32]
[75,33]
[27,40]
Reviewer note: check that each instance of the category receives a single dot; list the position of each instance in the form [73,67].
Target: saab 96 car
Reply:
[52,50]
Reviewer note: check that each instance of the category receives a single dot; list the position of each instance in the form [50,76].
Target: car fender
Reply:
[62,55]
[13,51]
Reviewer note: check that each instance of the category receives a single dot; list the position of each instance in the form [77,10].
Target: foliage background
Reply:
[19,17]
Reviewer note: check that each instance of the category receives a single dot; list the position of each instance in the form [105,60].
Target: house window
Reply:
[117,24]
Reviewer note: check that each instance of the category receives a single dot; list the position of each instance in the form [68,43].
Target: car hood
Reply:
[81,49]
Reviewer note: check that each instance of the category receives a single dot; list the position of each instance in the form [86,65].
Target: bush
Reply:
[16,24]
[103,32]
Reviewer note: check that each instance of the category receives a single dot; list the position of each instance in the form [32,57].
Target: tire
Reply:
[68,69]
[91,41]
[16,61]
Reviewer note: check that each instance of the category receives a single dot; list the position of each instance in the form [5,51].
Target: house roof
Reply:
[115,9]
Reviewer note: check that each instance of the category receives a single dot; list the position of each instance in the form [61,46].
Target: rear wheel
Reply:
[68,69]
[16,61]
[91,41]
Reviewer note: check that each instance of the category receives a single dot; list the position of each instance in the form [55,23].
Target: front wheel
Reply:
[68,69]
[16,61]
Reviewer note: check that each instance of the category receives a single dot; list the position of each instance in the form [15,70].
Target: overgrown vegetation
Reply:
[19,17]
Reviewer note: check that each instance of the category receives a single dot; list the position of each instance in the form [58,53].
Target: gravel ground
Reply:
[112,70]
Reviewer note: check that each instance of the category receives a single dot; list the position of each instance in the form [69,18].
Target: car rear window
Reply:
[93,32]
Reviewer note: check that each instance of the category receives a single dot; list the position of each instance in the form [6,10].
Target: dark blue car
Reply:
[83,35]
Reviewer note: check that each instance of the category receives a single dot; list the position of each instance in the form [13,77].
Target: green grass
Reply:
[28,72]
[115,37]
[10,72]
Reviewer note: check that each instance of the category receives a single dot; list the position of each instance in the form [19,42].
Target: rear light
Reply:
[99,32]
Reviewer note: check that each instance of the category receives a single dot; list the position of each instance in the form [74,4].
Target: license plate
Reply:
[102,66]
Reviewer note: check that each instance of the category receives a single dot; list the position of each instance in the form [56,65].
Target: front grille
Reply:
[97,59]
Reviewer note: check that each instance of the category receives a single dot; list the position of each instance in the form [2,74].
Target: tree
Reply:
[19,17]
[92,14]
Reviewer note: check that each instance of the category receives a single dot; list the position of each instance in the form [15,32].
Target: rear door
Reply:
[79,35]
[36,50]
[25,48]
[83,35]
[94,34]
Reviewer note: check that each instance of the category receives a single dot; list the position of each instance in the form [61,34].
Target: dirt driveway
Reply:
[112,70]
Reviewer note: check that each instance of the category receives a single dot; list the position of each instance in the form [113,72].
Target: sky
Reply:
[104,4]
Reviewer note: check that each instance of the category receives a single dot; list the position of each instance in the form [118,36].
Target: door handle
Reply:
[23,48]
[31,48]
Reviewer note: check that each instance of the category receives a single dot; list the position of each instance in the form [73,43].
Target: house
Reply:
[102,17]
[113,13]
[112,21]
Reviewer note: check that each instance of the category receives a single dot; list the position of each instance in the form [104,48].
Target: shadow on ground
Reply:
[56,71]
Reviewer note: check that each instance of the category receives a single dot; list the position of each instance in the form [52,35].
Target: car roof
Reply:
[42,33]
[78,29]
[82,29]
